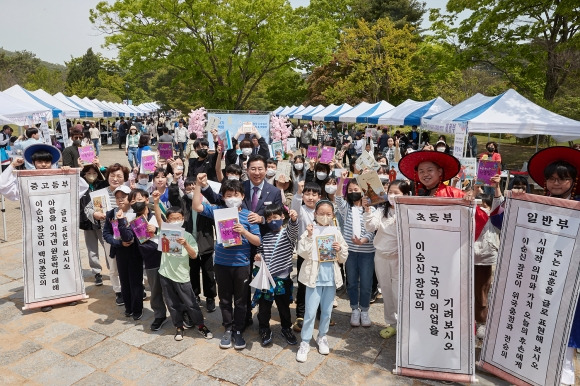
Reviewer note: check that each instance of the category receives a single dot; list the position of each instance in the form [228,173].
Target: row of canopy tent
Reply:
[20,106]
[506,113]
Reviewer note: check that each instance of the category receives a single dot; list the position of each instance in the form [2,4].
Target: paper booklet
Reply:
[101,200]
[283,168]
[323,237]
[225,219]
[486,170]
[327,155]
[168,239]
[312,152]
[139,227]
[372,187]
[165,150]
[87,154]
[148,161]
[277,149]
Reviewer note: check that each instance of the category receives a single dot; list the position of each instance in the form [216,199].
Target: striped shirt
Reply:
[238,255]
[277,250]
[345,210]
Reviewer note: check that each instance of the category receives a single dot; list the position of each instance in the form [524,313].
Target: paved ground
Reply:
[92,343]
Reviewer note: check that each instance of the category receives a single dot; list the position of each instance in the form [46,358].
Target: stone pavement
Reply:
[92,343]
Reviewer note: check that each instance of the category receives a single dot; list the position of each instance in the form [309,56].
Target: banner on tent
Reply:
[459,143]
[535,291]
[435,321]
[51,260]
[233,122]
[63,128]
[447,127]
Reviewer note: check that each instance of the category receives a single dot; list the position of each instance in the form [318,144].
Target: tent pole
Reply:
[537,140]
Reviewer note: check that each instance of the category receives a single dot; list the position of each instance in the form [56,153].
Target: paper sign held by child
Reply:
[277,149]
[168,239]
[324,237]
[139,227]
[372,187]
[165,150]
[366,161]
[148,161]
[283,168]
[486,170]
[101,201]
[312,152]
[327,155]
[291,145]
[225,220]
[87,154]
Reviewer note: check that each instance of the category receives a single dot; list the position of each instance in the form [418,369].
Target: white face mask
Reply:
[391,198]
[330,189]
[324,220]
[321,175]
[441,149]
[189,195]
[180,223]
[298,166]
[233,202]
[271,172]
[247,151]
[143,181]
[179,168]
[230,177]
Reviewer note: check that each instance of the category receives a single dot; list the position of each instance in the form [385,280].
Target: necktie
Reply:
[255,198]
[255,152]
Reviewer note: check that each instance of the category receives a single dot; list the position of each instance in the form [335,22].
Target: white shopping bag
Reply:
[263,280]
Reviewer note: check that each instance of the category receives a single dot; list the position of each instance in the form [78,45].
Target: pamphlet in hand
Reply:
[486,170]
[101,200]
[283,168]
[139,227]
[168,239]
[327,155]
[165,150]
[277,149]
[372,187]
[225,219]
[87,154]
[291,145]
[323,239]
[247,127]
[366,161]
[116,232]
[467,173]
[312,152]
[148,161]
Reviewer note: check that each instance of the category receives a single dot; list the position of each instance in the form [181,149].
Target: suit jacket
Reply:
[264,150]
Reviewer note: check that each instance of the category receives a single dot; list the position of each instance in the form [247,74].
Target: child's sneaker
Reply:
[302,353]
[239,341]
[265,336]
[226,341]
[157,323]
[355,318]
[365,319]
[187,323]
[323,345]
[179,334]
[289,336]
[205,332]
[298,324]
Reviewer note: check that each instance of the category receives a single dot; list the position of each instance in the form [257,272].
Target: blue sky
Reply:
[60,29]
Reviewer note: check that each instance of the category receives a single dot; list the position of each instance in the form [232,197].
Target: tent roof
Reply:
[307,115]
[68,109]
[93,105]
[334,115]
[20,112]
[286,110]
[410,112]
[102,106]
[275,112]
[378,108]
[319,116]
[352,114]
[21,93]
[299,110]
[97,113]
[83,110]
[508,113]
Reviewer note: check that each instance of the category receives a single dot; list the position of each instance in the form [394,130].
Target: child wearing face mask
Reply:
[276,251]
[272,166]
[319,173]
[231,264]
[387,252]
[321,280]
[175,280]
[298,172]
[361,252]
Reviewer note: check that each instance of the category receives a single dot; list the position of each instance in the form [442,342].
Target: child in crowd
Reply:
[387,252]
[361,252]
[276,251]
[151,256]
[310,194]
[125,251]
[232,264]
[175,280]
[321,279]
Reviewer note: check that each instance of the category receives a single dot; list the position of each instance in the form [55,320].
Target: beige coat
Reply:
[309,269]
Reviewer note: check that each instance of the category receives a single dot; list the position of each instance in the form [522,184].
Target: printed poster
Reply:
[101,200]
[87,154]
[51,258]
[486,170]
[371,185]
[312,152]
[168,236]
[394,172]
[139,227]
[435,326]
[535,290]
[165,150]
[322,250]
[148,161]
[327,155]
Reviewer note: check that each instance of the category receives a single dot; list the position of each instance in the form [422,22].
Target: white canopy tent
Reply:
[27,97]
[307,113]
[102,106]
[410,112]
[69,110]
[87,112]
[275,112]
[507,113]
[352,114]
[319,116]
[286,110]
[299,110]
[89,103]
[334,115]
[20,112]
[97,113]
[378,108]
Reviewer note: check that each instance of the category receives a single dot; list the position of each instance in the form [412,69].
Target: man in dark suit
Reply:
[260,145]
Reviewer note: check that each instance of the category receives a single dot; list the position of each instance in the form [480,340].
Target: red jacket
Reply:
[480,216]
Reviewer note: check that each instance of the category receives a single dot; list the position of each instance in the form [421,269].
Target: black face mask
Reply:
[138,207]
[355,196]
[202,153]
[490,149]
[77,142]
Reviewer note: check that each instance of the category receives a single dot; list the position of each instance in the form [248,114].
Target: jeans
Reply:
[318,296]
[97,146]
[132,154]
[360,267]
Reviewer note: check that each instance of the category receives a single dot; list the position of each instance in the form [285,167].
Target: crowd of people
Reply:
[278,216]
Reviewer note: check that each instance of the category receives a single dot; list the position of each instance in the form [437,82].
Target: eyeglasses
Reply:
[554,180]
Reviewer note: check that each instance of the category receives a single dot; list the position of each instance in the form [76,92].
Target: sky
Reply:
[60,29]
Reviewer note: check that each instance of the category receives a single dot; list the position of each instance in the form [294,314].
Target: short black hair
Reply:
[193,136]
[160,171]
[165,130]
[312,187]
[272,161]
[232,186]
[562,169]
[200,142]
[31,131]
[143,193]
[189,181]
[272,209]
[174,209]
[41,155]
[487,199]
[234,169]
[257,157]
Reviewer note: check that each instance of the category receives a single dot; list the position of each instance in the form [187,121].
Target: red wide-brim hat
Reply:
[409,163]
[543,158]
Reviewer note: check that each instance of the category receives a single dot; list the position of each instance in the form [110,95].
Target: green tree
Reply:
[535,45]
[222,50]
[51,81]
[86,66]
[15,67]
[399,11]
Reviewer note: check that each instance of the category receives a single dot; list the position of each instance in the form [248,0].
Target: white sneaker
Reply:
[302,353]
[323,345]
[480,331]
[335,303]
[365,319]
[355,318]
